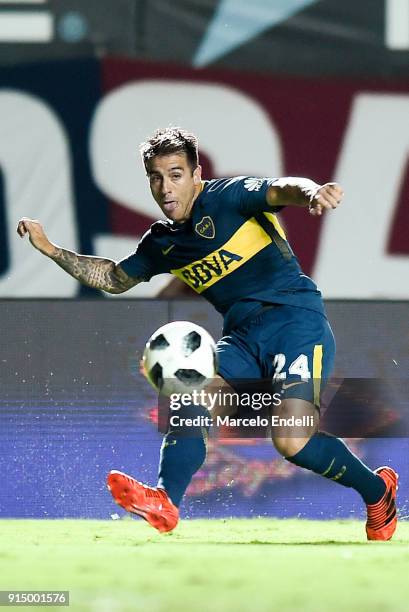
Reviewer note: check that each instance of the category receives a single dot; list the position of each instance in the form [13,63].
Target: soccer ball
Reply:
[179,357]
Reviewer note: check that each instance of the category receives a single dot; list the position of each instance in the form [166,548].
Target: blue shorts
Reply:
[291,346]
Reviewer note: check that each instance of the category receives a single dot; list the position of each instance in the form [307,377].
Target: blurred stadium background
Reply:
[296,87]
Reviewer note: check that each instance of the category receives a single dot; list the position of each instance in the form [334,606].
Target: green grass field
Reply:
[219,565]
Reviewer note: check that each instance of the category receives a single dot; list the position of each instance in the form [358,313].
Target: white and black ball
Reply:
[180,357]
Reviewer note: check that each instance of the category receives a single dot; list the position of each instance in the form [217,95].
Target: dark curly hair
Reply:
[171,140]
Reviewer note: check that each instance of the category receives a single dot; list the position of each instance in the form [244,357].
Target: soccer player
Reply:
[222,237]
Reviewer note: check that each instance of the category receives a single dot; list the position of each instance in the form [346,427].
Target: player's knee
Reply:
[288,447]
[297,421]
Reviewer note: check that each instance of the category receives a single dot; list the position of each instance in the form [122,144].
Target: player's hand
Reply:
[36,234]
[326,197]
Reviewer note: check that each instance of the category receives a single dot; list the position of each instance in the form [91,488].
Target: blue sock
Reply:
[183,452]
[330,457]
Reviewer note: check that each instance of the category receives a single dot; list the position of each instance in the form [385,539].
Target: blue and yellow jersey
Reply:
[232,250]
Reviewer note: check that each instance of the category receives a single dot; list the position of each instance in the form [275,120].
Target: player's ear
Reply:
[197,175]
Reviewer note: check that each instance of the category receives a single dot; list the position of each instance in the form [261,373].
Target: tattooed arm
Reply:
[95,272]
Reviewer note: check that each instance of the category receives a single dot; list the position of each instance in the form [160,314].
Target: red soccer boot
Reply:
[150,503]
[382,519]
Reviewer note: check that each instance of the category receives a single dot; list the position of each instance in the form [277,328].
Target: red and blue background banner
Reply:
[69,137]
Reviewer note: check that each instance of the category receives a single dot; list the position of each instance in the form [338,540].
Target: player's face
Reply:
[173,185]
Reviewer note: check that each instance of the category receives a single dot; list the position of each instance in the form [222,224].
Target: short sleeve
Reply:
[250,193]
[141,263]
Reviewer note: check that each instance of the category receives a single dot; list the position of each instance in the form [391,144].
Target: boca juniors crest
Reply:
[205,228]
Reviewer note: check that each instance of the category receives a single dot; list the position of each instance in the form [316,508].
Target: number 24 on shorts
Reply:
[298,367]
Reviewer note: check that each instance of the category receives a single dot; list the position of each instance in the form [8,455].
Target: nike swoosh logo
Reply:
[168,250]
[301,382]
[171,443]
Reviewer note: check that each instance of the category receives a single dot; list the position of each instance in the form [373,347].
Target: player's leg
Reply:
[307,350]
[183,450]
[331,458]
[323,453]
[184,447]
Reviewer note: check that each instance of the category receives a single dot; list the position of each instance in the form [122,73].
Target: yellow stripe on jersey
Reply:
[317,372]
[248,240]
[273,219]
